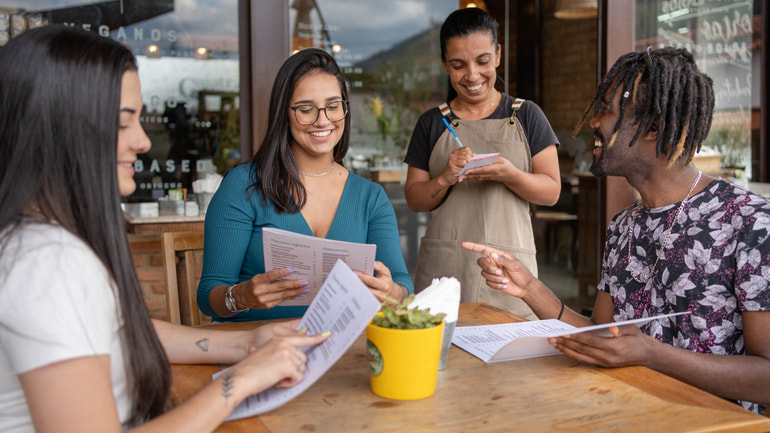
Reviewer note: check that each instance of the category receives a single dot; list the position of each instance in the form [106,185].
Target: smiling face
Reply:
[320,89]
[612,155]
[132,140]
[470,63]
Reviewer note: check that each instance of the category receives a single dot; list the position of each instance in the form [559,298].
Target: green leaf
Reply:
[398,316]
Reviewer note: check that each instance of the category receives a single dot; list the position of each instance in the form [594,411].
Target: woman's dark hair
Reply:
[274,169]
[461,23]
[666,92]
[60,98]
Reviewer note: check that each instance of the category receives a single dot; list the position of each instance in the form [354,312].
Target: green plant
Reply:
[734,143]
[398,316]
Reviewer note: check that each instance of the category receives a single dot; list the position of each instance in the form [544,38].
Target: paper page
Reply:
[312,258]
[508,341]
[345,306]
[479,160]
[485,341]
[603,328]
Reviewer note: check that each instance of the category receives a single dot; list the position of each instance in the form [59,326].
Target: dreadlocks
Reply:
[666,92]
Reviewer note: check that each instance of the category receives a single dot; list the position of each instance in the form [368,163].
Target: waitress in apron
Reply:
[488,204]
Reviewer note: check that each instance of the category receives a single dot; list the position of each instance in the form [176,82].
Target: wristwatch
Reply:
[230,301]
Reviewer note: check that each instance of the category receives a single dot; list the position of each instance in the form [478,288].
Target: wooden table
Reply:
[545,394]
[170,223]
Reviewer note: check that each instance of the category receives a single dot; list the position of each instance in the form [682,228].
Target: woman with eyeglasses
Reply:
[296,182]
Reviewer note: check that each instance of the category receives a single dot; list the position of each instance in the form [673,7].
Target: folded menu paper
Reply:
[312,258]
[479,160]
[343,305]
[442,296]
[509,341]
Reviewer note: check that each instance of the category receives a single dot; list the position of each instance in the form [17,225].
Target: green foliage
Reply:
[734,143]
[399,317]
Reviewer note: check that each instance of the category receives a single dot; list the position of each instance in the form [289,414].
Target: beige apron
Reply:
[479,211]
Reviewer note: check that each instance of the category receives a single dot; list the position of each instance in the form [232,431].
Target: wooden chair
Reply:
[181,305]
[552,222]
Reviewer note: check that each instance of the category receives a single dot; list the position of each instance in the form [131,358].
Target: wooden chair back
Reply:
[181,276]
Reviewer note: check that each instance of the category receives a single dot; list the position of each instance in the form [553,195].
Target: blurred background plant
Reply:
[392,136]
[734,143]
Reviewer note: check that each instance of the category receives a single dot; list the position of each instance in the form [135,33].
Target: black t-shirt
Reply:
[429,128]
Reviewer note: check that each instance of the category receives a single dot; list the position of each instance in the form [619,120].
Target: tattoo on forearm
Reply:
[203,344]
[227,385]
[436,192]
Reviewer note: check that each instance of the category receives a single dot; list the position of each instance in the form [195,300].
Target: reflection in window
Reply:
[187,53]
[391,63]
[725,41]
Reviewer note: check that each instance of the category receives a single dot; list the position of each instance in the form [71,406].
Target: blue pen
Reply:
[449,127]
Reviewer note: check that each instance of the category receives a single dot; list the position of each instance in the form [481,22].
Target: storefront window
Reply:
[389,53]
[724,37]
[188,65]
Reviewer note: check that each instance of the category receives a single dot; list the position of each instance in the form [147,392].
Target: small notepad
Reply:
[479,160]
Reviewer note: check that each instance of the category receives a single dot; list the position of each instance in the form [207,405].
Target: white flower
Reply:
[722,234]
[761,222]
[717,350]
[680,341]
[698,322]
[723,332]
[754,286]
[682,285]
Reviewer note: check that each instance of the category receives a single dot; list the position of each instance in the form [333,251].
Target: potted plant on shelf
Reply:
[404,346]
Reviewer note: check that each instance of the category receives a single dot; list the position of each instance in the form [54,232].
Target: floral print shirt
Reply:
[715,263]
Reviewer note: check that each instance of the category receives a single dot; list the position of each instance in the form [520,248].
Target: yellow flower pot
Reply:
[403,363]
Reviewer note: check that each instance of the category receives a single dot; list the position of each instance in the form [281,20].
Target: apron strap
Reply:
[515,107]
[445,112]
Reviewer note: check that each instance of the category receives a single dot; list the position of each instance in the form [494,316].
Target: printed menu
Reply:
[509,341]
[344,306]
[312,258]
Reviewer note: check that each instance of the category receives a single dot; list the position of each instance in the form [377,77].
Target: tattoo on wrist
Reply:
[203,344]
[227,385]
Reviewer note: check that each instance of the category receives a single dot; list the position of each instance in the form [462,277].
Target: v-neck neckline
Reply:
[334,220]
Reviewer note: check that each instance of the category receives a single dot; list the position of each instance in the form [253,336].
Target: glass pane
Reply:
[389,53]
[188,65]
[724,38]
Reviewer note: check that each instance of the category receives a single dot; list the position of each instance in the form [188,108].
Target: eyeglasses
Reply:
[308,114]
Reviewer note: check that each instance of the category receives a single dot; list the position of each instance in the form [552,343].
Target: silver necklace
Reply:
[319,174]
[665,239]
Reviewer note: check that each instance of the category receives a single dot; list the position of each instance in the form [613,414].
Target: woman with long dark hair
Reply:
[78,350]
[296,182]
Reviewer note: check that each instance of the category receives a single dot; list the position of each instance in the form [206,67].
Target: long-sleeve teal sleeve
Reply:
[233,236]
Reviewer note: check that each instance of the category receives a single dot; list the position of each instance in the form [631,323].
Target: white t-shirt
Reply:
[56,303]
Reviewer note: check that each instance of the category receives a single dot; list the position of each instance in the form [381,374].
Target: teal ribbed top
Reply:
[233,236]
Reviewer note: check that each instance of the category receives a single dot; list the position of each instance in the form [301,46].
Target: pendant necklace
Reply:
[319,174]
[665,239]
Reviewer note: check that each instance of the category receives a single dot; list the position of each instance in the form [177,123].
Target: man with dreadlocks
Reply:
[694,244]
